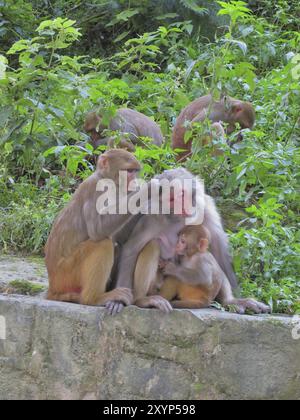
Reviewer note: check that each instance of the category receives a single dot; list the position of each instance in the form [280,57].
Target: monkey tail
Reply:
[219,240]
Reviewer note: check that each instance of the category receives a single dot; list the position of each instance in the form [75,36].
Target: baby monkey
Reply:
[196,279]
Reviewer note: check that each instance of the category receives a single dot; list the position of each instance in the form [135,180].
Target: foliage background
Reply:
[60,59]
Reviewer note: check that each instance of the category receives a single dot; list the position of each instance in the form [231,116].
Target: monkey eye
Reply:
[132,171]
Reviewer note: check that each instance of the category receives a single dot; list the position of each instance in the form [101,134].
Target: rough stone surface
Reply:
[56,350]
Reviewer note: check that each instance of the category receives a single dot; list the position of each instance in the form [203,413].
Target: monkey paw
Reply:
[243,305]
[157,302]
[117,299]
[113,307]
[169,269]
[122,294]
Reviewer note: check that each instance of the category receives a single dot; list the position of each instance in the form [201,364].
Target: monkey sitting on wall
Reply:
[132,126]
[196,280]
[80,250]
[155,236]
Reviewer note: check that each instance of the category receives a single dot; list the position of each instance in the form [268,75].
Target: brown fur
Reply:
[132,124]
[80,251]
[230,111]
[198,279]
[139,258]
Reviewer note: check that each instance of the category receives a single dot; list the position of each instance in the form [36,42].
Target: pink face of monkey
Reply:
[241,113]
[181,203]
[192,240]
[181,246]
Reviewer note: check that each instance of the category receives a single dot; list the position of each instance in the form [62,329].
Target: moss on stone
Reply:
[24,287]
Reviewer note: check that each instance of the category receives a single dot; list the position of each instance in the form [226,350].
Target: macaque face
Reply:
[242,114]
[117,161]
[131,175]
[181,246]
[181,202]
[187,245]
[192,240]
[176,200]
[125,177]
[92,125]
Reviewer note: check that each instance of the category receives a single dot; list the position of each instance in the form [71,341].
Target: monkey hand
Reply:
[170,269]
[118,299]
[162,264]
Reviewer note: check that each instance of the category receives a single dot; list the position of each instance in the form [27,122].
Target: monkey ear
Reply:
[227,103]
[111,143]
[103,162]
[203,245]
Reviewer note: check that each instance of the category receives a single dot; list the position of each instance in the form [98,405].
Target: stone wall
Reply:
[64,351]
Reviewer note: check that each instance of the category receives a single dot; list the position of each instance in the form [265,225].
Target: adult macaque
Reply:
[155,237]
[131,125]
[80,251]
[196,280]
[228,110]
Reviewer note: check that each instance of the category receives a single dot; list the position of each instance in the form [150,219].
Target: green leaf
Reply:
[5,113]
[167,16]
[296,69]
[242,45]
[123,16]
[22,45]
[57,24]
[45,24]
[121,36]
[3,66]
[192,5]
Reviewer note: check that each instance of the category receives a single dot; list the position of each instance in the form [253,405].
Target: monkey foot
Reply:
[242,305]
[113,307]
[122,294]
[117,299]
[157,302]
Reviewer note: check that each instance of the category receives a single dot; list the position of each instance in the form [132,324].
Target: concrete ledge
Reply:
[64,351]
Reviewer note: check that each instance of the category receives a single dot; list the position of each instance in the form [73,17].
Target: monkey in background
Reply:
[228,110]
[196,279]
[132,126]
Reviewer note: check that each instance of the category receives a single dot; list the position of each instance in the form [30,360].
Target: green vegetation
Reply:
[58,60]
[23,287]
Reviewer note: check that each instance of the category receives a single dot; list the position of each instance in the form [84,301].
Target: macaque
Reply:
[228,110]
[196,280]
[155,237]
[132,125]
[80,249]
